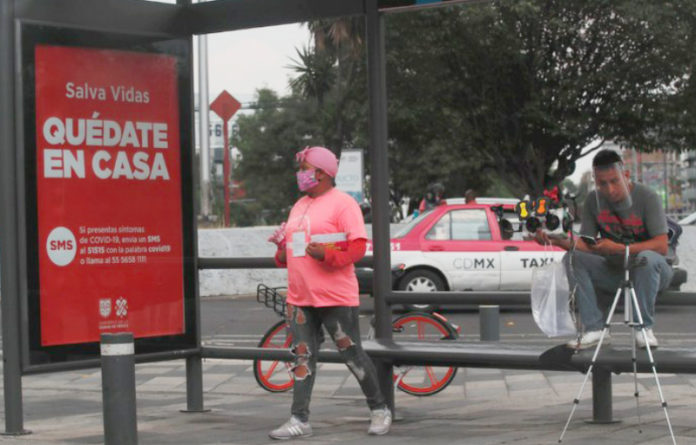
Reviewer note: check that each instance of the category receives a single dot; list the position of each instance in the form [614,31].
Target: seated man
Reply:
[621,213]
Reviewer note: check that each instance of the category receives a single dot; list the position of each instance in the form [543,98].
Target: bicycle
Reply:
[414,380]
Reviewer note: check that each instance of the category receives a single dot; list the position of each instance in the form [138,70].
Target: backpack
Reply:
[674,231]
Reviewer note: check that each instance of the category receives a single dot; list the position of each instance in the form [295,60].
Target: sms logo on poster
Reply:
[61,246]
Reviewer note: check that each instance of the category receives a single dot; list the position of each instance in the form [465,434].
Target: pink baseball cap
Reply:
[321,158]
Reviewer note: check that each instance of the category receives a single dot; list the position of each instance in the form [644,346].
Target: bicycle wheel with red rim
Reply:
[274,375]
[423,380]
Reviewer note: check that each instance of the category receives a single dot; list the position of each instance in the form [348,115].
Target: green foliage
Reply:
[315,74]
[327,107]
[520,87]
[268,141]
[495,97]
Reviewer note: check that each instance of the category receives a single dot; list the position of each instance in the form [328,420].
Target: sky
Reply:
[243,61]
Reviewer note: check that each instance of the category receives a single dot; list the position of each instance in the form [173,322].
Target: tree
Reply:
[327,107]
[332,73]
[521,87]
[500,96]
[268,141]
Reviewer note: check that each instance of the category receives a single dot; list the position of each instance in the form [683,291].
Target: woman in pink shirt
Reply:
[322,239]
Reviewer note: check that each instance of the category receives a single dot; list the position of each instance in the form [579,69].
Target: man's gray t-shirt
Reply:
[645,218]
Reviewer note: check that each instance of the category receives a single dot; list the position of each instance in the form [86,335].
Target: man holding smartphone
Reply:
[617,213]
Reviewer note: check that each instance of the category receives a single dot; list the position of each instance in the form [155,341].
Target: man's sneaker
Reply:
[588,339]
[291,429]
[640,340]
[380,421]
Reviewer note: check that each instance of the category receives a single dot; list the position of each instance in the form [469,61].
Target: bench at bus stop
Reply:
[499,355]
[612,359]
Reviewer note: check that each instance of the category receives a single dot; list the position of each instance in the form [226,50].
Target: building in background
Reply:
[663,172]
[215,135]
[689,180]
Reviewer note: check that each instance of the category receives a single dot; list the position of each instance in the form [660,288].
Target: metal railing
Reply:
[501,298]
[484,354]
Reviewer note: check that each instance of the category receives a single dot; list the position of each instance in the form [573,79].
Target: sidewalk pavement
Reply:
[482,406]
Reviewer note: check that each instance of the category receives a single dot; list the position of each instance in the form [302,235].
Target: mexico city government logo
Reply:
[121,306]
[105,307]
[61,246]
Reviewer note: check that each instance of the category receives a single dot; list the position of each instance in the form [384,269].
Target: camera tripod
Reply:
[630,300]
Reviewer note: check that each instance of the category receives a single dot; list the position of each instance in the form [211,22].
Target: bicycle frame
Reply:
[414,324]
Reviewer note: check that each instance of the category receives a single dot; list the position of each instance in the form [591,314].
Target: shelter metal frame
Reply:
[181,20]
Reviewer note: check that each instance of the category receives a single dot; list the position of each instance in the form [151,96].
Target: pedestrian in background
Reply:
[433,197]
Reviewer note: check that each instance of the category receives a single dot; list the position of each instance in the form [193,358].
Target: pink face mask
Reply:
[306,179]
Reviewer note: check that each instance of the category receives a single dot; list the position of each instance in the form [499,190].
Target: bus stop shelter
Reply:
[42,40]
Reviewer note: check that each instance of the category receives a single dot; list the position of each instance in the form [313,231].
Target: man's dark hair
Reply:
[605,158]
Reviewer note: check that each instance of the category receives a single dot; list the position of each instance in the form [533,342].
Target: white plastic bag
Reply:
[550,295]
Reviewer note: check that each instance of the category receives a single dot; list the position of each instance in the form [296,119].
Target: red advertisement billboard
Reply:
[108,184]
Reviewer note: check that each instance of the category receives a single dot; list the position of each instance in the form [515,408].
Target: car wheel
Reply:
[421,280]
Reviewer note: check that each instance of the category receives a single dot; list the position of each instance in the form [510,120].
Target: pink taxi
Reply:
[458,246]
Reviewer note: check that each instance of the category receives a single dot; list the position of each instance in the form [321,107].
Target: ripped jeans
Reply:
[342,324]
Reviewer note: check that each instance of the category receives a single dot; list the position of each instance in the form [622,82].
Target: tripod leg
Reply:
[652,365]
[631,323]
[576,401]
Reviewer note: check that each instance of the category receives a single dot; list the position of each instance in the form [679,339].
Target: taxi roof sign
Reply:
[481,200]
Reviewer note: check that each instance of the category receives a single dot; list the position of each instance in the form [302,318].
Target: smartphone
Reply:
[588,240]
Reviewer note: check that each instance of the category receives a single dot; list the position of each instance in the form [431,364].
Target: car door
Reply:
[519,258]
[459,244]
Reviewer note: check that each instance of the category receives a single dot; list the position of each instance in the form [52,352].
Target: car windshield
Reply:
[409,226]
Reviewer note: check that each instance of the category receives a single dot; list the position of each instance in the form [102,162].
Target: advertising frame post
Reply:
[109,21]
[122,256]
[122,22]
[12,372]
[155,31]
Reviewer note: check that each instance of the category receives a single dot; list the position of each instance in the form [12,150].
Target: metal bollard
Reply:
[194,386]
[489,322]
[601,396]
[118,389]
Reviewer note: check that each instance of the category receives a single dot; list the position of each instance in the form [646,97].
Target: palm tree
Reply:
[315,74]
[330,71]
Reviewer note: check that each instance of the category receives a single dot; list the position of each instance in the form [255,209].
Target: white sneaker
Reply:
[380,421]
[640,340]
[291,429]
[588,339]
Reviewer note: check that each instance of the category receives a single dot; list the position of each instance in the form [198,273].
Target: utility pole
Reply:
[203,125]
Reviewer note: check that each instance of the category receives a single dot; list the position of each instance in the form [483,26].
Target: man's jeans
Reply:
[594,274]
[342,324]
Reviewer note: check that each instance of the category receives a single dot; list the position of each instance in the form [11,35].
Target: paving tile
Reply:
[481,407]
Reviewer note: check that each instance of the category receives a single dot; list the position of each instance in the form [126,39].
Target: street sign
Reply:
[225,106]
[350,173]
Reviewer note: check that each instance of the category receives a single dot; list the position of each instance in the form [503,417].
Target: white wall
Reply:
[251,242]
[242,242]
